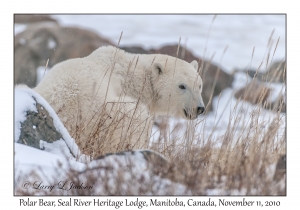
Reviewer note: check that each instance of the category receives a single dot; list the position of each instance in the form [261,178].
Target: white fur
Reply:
[107,99]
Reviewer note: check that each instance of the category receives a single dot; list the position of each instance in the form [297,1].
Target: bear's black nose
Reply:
[200,110]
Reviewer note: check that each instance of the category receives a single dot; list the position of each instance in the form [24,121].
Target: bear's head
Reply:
[177,86]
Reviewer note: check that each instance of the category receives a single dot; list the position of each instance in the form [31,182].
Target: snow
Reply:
[34,165]
[50,168]
[28,159]
[278,89]
[58,147]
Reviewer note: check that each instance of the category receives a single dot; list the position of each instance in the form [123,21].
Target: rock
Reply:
[24,19]
[254,93]
[281,164]
[279,104]
[276,73]
[208,71]
[252,73]
[183,53]
[280,173]
[38,126]
[40,42]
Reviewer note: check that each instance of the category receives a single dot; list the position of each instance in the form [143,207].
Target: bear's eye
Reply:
[182,87]
[200,87]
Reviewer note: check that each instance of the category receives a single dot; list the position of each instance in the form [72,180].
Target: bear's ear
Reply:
[157,68]
[195,64]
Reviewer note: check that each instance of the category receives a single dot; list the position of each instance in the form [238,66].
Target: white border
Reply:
[288,7]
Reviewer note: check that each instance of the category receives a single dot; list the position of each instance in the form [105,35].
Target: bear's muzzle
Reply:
[193,113]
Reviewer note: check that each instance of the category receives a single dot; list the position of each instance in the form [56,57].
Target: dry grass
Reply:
[244,160]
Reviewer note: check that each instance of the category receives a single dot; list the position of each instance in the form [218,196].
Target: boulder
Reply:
[40,42]
[258,93]
[279,104]
[254,92]
[276,73]
[183,52]
[280,167]
[38,126]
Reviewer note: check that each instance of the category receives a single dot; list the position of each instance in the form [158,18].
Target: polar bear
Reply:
[107,100]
